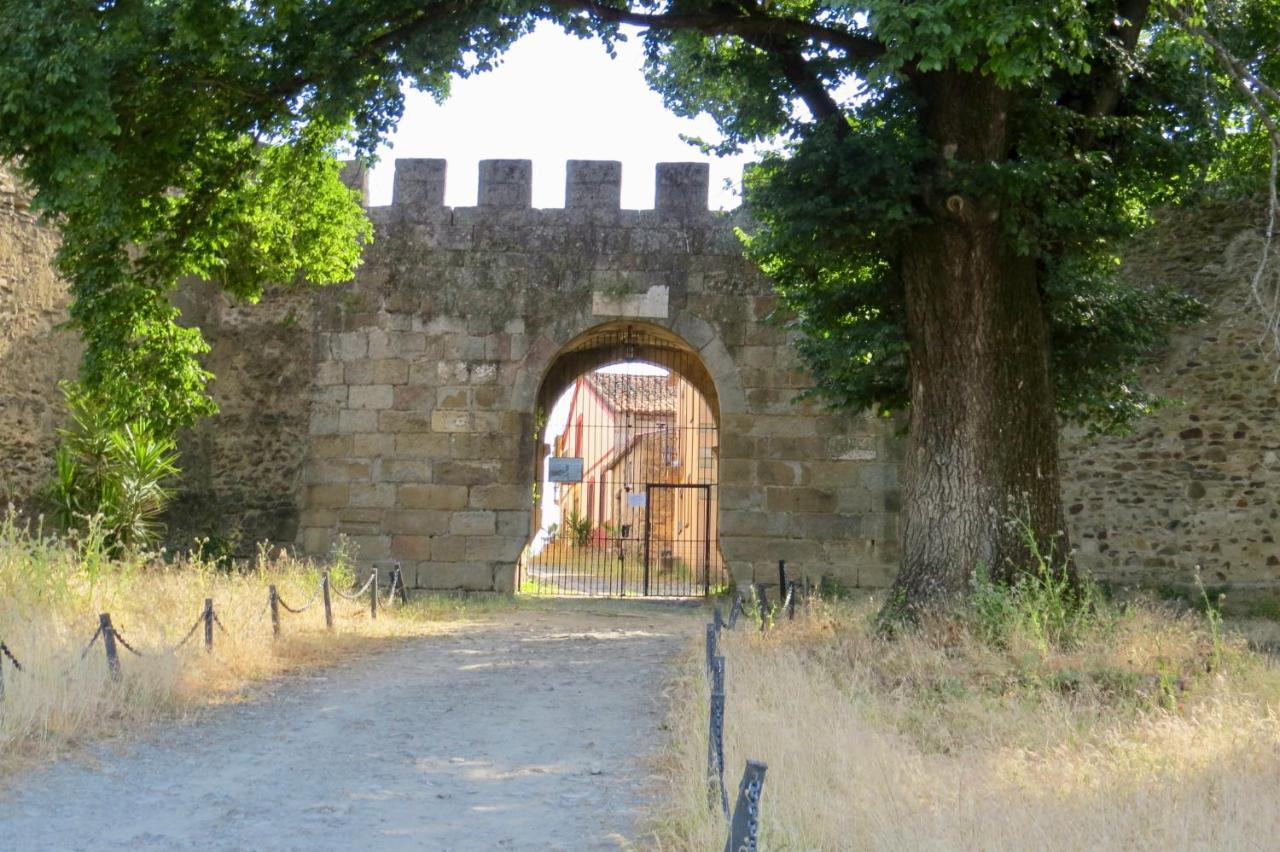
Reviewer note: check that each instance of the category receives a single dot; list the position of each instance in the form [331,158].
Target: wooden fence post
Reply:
[208,624]
[109,642]
[328,602]
[273,598]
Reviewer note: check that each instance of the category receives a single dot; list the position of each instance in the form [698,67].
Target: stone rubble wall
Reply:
[1198,482]
[34,353]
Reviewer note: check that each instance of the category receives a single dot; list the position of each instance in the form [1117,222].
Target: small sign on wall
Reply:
[637,500]
[564,470]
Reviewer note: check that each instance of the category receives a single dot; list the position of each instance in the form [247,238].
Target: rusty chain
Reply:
[356,595]
[4,649]
[119,638]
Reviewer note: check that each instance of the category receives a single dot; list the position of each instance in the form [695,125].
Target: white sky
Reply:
[554,98]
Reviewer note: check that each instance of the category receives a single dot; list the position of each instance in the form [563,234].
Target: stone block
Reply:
[351,421]
[371,547]
[515,524]
[500,497]
[418,185]
[450,548]
[333,496]
[324,422]
[454,399]
[681,188]
[331,446]
[316,541]
[467,472]
[593,185]
[411,547]
[506,183]
[383,371]
[337,470]
[404,470]
[456,576]
[473,523]
[443,497]
[408,422]
[425,444]
[329,373]
[372,444]
[453,421]
[779,499]
[491,548]
[371,396]
[416,521]
[379,494]
[349,345]
[414,398]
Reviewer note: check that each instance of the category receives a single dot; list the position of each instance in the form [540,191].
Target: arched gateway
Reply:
[431,372]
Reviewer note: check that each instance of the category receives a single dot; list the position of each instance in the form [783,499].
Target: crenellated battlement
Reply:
[681,189]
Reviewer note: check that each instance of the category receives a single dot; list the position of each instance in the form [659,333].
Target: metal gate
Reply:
[629,491]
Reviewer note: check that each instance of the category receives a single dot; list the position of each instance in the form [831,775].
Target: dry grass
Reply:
[1152,730]
[50,596]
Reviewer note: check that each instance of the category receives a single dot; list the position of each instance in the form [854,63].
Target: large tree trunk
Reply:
[983,440]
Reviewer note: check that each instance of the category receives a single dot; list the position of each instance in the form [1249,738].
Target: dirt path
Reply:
[529,732]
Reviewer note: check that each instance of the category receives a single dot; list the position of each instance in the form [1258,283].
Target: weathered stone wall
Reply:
[1198,483]
[430,367]
[34,355]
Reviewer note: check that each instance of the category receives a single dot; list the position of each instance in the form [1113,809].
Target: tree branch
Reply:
[731,23]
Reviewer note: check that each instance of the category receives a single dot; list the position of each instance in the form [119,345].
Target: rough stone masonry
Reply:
[401,410]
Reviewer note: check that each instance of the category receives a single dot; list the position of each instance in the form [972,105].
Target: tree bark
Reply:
[983,442]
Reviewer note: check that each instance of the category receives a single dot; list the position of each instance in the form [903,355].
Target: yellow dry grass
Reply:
[50,597]
[1153,731]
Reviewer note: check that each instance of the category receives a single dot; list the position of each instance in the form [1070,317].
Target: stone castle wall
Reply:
[400,409]
[1198,482]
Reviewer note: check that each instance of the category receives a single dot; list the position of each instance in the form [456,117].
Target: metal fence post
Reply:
[373,596]
[711,644]
[716,793]
[717,618]
[328,603]
[762,602]
[791,601]
[109,642]
[273,598]
[782,578]
[404,592]
[208,624]
[744,830]
[1,676]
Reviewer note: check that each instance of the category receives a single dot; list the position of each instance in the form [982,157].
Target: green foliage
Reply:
[1042,605]
[111,480]
[579,528]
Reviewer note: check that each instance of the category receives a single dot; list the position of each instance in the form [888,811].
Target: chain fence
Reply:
[113,638]
[743,823]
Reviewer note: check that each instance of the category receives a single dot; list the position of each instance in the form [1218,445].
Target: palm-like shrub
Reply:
[111,479]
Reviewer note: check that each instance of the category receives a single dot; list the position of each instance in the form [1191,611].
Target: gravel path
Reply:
[528,732]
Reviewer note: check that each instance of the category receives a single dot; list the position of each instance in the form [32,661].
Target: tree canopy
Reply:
[956,179]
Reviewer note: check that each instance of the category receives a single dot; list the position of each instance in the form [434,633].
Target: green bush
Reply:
[111,480]
[579,528]
[1043,603]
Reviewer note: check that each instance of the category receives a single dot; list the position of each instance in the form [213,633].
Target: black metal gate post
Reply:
[648,534]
